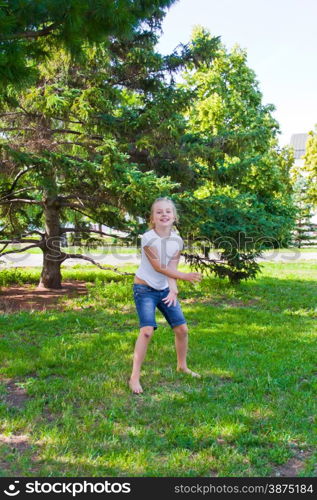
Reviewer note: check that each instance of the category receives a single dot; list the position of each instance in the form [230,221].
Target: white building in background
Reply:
[298,142]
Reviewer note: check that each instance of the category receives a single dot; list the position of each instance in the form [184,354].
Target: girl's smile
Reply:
[163,215]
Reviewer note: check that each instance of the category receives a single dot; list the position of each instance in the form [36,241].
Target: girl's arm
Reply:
[173,264]
[152,255]
[171,298]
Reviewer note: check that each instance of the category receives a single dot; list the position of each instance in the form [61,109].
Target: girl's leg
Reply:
[181,344]
[140,349]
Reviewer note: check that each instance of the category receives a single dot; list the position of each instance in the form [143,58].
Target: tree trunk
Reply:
[52,256]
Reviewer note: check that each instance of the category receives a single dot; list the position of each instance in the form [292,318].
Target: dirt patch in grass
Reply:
[294,466]
[26,298]
[18,444]
[16,396]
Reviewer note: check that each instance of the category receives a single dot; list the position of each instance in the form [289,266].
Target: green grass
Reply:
[252,411]
[31,275]
[294,250]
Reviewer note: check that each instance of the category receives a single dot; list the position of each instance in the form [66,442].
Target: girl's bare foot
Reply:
[189,372]
[135,386]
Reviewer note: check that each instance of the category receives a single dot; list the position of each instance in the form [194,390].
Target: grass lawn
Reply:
[65,408]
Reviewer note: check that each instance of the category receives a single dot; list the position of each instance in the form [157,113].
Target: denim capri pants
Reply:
[147,299]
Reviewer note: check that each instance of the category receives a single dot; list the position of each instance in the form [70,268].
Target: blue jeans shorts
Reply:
[147,299]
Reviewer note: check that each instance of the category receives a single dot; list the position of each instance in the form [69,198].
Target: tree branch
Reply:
[5,246]
[34,232]
[67,120]
[69,230]
[31,34]
[20,175]
[21,250]
[70,131]
[29,240]
[72,143]
[81,197]
[17,192]
[197,258]
[74,207]
[14,113]
[66,131]
[21,200]
[84,257]
[10,129]
[77,158]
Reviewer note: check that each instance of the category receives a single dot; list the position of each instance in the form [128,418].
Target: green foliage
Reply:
[104,135]
[30,31]
[305,231]
[238,227]
[244,193]
[17,276]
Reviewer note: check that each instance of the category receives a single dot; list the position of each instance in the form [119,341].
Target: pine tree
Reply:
[243,203]
[97,136]
[103,134]
[305,231]
[30,31]
[310,167]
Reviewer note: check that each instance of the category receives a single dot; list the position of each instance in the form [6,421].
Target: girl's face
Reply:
[163,214]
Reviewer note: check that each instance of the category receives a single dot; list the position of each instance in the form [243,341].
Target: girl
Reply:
[155,286]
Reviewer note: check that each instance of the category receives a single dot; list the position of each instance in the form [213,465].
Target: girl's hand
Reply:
[171,298]
[192,277]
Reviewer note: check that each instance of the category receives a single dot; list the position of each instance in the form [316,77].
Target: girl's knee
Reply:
[147,331]
[181,330]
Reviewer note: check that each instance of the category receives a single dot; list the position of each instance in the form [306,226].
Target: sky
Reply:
[280,37]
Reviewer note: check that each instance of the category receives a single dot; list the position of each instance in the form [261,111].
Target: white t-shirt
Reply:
[166,248]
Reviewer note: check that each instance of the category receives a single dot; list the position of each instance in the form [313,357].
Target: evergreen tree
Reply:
[305,231]
[104,134]
[31,30]
[243,203]
[311,167]
[99,138]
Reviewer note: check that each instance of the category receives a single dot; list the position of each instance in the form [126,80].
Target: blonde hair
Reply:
[164,198]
